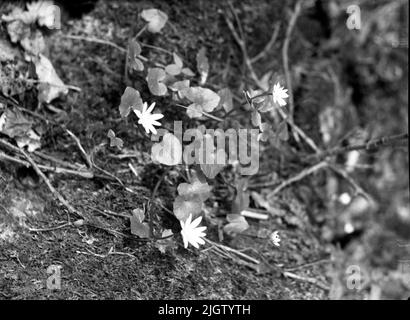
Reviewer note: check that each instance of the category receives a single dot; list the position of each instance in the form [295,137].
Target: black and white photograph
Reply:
[223,151]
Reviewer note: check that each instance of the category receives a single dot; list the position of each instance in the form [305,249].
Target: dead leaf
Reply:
[14,124]
[53,86]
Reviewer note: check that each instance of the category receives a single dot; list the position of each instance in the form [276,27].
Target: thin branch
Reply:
[206,114]
[358,189]
[242,45]
[84,154]
[83,174]
[96,40]
[269,45]
[51,228]
[306,279]
[285,56]
[369,146]
[56,194]
[304,173]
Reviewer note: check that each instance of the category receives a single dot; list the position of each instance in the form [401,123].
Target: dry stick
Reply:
[51,228]
[56,194]
[269,45]
[358,189]
[83,174]
[285,57]
[304,173]
[242,46]
[370,145]
[74,88]
[96,40]
[63,201]
[84,154]
[56,160]
[206,114]
[307,279]
[229,249]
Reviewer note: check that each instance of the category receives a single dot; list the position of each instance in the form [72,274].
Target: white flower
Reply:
[147,119]
[279,94]
[191,233]
[274,237]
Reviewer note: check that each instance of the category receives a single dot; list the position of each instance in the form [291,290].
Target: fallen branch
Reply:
[56,194]
[83,174]
[358,189]
[306,279]
[80,147]
[304,173]
[369,146]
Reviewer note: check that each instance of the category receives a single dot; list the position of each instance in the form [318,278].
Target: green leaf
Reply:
[155,79]
[241,200]
[168,151]
[181,87]
[196,188]
[226,99]
[184,206]
[139,229]
[267,132]
[134,51]
[156,19]
[256,118]
[283,132]
[203,98]
[188,72]
[114,141]
[237,224]
[131,98]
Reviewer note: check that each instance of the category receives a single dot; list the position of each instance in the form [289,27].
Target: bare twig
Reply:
[285,56]
[56,194]
[83,174]
[95,40]
[225,249]
[84,154]
[110,252]
[306,279]
[74,88]
[304,173]
[56,160]
[242,45]
[370,145]
[51,228]
[358,189]
[206,114]
[133,170]
[269,45]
